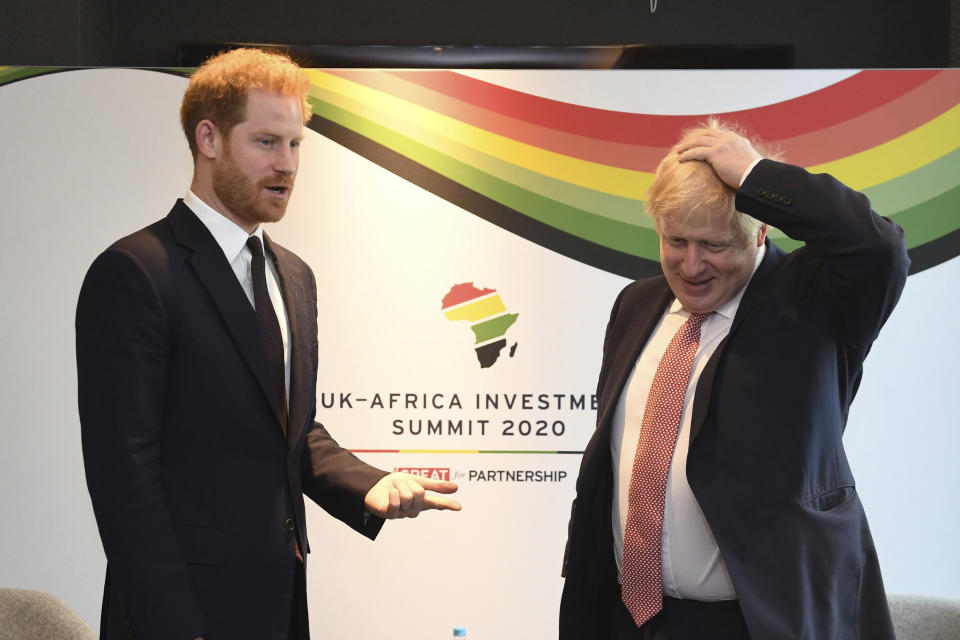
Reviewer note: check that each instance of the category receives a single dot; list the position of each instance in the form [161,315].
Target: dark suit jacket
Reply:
[197,493]
[766,460]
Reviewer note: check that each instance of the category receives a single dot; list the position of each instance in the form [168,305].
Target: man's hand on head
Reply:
[401,495]
[725,151]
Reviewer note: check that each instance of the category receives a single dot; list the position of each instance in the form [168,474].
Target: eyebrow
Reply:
[260,133]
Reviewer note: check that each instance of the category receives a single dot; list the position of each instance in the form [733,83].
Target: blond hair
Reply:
[682,188]
[218,90]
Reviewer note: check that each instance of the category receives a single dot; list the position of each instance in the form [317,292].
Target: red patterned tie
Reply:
[641,584]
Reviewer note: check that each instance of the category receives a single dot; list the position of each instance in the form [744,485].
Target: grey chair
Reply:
[925,618]
[35,615]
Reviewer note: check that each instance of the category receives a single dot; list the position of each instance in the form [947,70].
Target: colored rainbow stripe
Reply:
[12,74]
[572,178]
[582,171]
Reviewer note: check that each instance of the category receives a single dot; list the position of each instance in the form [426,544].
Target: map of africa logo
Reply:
[484,310]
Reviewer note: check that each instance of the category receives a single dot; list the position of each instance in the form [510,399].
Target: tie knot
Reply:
[255,246]
[696,319]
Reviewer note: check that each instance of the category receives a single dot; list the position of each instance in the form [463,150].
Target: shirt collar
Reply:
[729,309]
[228,234]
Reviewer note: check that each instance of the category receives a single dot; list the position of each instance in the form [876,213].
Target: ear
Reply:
[761,235]
[208,138]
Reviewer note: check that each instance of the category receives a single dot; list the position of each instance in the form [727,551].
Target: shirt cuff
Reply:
[746,173]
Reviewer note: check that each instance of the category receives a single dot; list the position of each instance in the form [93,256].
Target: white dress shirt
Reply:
[692,567]
[233,241]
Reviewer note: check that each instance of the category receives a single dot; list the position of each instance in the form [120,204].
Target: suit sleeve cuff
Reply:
[746,173]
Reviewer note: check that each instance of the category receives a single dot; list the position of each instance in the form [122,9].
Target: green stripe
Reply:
[921,224]
[623,237]
[19,73]
[603,204]
[620,236]
[916,187]
[495,328]
[607,205]
[13,74]
[785,243]
[932,219]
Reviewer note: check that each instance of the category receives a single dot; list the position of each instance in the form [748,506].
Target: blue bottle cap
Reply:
[459,632]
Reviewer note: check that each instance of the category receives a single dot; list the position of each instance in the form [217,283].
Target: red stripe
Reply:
[616,154]
[940,92]
[888,121]
[462,293]
[826,107]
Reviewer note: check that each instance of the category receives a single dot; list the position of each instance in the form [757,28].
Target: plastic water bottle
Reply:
[459,632]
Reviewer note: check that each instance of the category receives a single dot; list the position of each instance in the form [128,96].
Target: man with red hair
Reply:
[197,367]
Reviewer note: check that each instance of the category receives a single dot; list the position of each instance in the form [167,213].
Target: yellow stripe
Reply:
[898,156]
[614,180]
[495,167]
[477,310]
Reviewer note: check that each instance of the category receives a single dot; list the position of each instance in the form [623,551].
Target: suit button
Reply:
[289,525]
[761,192]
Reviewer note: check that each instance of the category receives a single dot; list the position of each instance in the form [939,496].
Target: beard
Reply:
[245,198]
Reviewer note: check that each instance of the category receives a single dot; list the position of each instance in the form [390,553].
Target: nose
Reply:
[692,260]
[286,160]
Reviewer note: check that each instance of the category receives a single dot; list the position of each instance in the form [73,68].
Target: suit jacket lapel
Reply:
[641,325]
[297,300]
[620,356]
[754,293]
[222,285]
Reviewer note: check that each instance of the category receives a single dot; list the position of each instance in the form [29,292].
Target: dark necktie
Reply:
[641,582]
[269,326]
[272,341]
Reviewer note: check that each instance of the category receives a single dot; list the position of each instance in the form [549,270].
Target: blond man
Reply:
[715,499]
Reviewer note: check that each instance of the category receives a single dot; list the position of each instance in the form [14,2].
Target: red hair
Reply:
[218,90]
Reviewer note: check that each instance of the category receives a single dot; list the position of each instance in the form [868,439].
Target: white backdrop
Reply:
[92,155]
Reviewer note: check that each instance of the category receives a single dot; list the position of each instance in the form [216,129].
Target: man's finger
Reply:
[415,503]
[406,492]
[695,153]
[700,142]
[440,502]
[393,498]
[440,486]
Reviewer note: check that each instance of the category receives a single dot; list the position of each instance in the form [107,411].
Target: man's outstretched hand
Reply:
[401,495]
